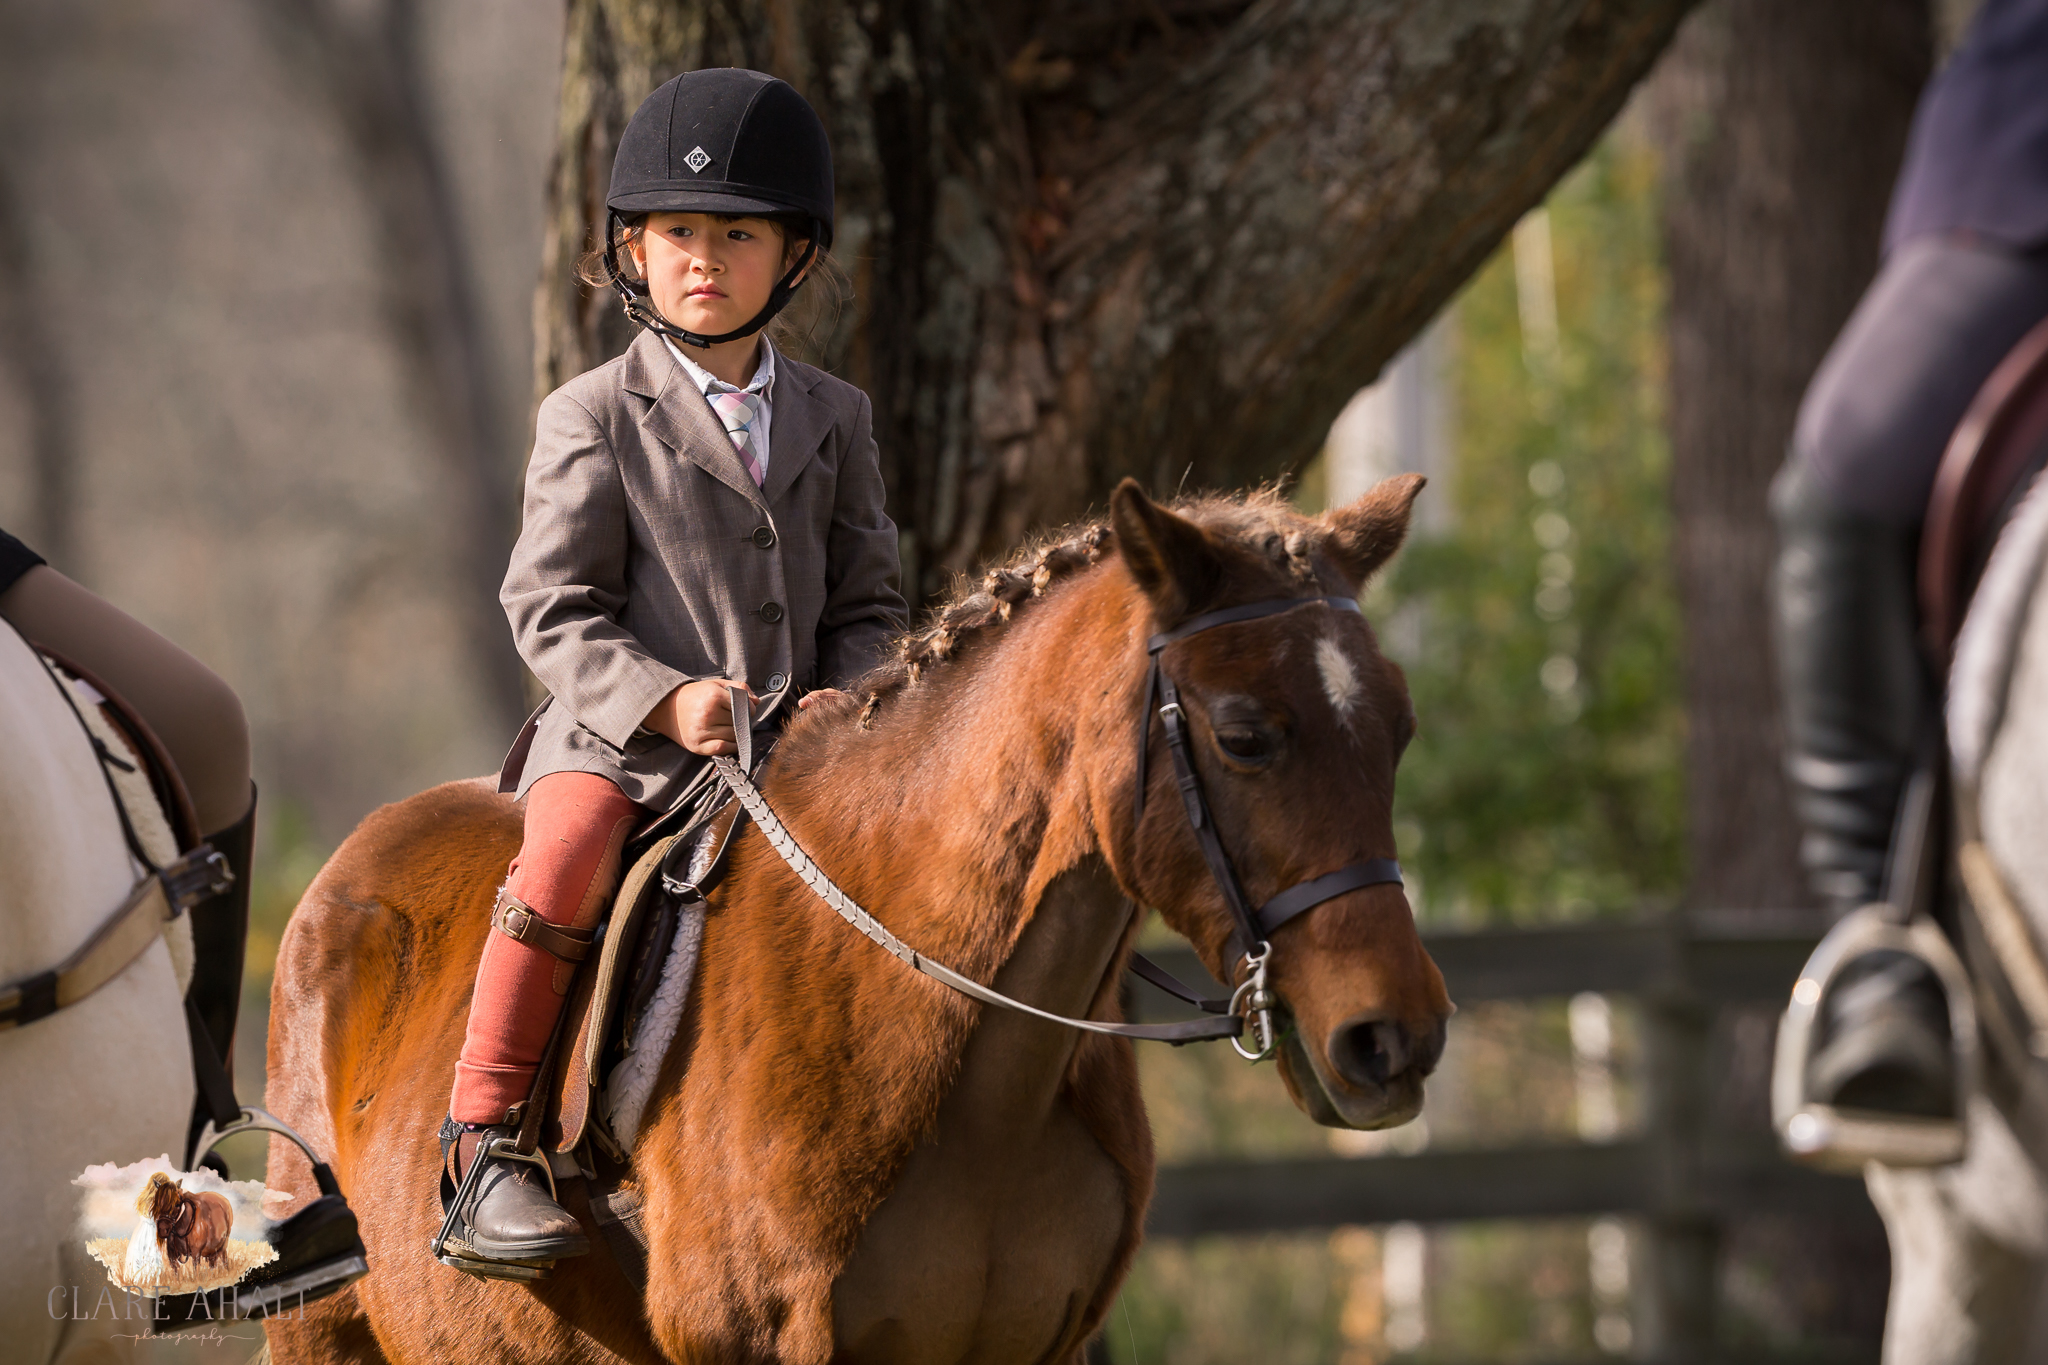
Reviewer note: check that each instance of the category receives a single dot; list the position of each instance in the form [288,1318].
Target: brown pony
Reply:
[844,1161]
[189,1227]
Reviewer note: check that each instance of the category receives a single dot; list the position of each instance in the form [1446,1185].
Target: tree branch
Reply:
[1120,236]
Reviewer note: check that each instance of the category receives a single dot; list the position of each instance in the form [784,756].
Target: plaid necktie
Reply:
[738,410]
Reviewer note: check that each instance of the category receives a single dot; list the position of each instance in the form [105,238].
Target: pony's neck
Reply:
[964,822]
[974,789]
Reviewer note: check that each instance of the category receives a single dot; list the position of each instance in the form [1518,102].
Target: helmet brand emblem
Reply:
[697,160]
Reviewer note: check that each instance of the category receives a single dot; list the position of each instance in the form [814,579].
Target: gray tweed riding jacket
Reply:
[648,557]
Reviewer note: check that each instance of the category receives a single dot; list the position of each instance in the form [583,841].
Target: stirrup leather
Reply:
[1846,1139]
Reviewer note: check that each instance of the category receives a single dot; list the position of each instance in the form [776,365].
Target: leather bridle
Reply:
[1251,930]
[1252,1002]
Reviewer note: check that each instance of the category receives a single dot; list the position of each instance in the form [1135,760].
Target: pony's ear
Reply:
[1169,556]
[1365,533]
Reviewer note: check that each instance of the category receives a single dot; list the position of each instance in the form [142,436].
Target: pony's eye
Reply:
[1249,745]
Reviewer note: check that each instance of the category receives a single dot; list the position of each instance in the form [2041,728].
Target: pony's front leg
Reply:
[1969,1250]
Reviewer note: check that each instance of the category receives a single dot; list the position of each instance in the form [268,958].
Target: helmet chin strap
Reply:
[641,308]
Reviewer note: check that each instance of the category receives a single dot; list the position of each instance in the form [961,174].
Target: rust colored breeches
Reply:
[568,864]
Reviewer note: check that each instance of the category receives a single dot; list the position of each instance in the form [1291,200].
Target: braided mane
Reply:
[1259,520]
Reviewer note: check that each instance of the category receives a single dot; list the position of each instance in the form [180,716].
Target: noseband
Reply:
[1252,929]
[1251,1004]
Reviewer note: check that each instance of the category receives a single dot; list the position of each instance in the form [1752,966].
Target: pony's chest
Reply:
[989,1249]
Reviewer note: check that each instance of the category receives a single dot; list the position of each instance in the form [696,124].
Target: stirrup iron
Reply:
[1845,1139]
[319,1248]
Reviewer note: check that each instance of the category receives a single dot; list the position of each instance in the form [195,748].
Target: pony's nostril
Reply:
[1427,1051]
[1369,1051]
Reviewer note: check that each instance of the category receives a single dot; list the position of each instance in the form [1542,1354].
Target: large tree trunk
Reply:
[1781,127]
[1164,238]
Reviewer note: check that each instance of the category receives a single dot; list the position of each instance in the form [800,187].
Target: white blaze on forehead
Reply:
[1340,678]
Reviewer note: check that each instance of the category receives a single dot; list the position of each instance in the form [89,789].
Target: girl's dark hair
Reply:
[804,329]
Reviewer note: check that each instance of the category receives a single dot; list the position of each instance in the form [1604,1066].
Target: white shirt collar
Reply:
[708,383]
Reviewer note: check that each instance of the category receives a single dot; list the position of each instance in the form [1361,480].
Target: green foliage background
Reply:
[1520,801]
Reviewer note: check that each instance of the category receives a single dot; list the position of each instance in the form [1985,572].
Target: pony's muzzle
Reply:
[1374,1052]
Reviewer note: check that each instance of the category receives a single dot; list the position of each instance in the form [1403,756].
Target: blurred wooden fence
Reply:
[1683,1176]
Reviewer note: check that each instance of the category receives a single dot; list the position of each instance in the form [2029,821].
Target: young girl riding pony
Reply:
[702,511]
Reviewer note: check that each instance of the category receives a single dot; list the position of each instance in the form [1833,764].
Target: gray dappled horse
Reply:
[1970,1241]
[107,1079]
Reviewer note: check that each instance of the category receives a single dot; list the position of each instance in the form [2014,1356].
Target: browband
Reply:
[1250,611]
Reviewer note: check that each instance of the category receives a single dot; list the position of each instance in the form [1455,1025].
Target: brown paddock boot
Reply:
[502,1221]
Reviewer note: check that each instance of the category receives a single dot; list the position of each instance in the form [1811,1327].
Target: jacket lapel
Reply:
[799,424]
[680,418]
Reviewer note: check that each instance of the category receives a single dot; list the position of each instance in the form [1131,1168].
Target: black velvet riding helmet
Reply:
[722,141]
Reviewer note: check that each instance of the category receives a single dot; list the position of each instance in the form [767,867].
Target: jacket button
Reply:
[771,612]
[764,536]
[776,681]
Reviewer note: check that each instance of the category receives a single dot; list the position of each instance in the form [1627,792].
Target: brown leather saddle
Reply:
[1990,461]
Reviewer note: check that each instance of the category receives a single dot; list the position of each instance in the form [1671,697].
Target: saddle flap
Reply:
[569,1104]
[594,1003]
[1990,459]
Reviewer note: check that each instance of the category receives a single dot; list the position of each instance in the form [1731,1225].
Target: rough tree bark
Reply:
[1091,238]
[1781,128]
[366,61]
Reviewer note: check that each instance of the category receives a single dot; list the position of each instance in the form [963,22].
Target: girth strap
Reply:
[516,920]
[118,941]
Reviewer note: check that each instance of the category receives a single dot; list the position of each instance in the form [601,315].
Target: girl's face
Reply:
[709,274]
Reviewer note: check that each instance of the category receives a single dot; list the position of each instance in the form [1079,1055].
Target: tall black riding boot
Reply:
[1857,698]
[1854,683]
[220,934]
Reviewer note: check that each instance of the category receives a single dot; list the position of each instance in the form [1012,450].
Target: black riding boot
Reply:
[1857,697]
[508,1214]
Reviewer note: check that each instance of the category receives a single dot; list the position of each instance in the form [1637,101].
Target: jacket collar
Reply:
[680,418]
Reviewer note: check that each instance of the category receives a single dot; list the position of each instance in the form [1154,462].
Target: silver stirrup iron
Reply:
[1847,1139]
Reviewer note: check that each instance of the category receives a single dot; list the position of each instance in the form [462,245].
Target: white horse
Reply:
[108,1078]
[1970,1241]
